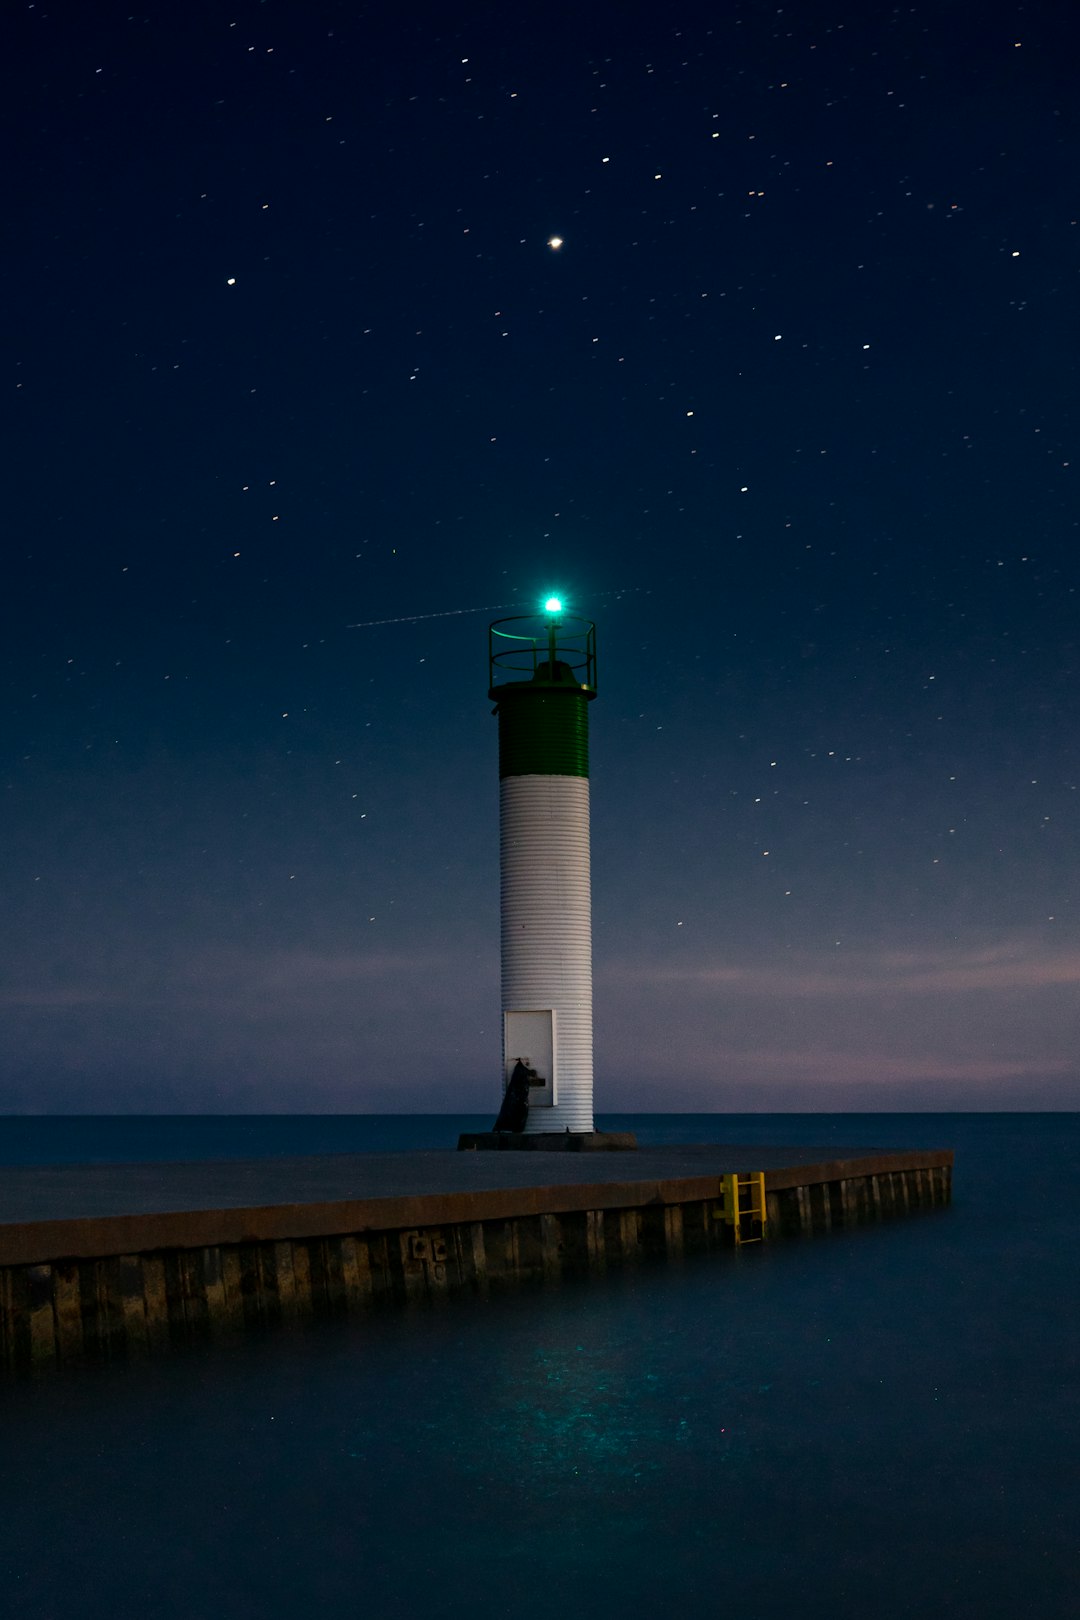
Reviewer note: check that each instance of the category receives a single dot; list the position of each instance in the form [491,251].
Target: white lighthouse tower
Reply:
[542,680]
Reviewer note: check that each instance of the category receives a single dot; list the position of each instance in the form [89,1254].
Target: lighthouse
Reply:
[542,679]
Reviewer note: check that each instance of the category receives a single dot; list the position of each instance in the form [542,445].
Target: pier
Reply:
[100,1262]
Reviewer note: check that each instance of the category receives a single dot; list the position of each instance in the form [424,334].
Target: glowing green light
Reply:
[553,605]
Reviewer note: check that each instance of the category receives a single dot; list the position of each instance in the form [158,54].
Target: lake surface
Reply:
[877,1423]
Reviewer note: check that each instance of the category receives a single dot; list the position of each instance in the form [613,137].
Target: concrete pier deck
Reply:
[108,1259]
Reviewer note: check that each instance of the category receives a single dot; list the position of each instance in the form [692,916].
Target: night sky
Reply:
[791,412]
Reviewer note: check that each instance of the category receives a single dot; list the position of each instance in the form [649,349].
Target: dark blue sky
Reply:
[791,412]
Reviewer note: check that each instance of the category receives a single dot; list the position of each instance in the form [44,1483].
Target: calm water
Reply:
[875,1424]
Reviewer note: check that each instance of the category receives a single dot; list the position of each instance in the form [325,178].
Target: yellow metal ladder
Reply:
[744,1205]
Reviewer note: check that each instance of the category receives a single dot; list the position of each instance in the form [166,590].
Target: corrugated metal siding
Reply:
[543,732]
[547,929]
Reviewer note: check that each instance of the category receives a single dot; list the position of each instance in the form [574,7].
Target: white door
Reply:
[530,1036]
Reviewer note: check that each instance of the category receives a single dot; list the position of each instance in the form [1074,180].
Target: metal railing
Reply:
[539,643]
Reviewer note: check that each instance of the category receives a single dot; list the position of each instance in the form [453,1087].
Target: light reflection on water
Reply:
[879,1422]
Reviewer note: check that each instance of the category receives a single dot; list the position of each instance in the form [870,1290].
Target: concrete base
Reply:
[550,1141]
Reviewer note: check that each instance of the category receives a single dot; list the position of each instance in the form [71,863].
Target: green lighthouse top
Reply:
[542,672]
